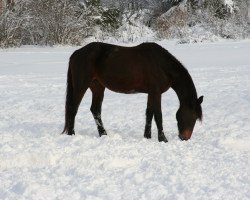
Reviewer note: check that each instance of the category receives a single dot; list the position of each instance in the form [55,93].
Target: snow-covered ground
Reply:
[36,162]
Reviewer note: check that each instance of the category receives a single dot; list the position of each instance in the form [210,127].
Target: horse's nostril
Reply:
[185,135]
[181,137]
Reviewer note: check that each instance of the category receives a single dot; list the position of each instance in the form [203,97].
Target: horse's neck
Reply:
[185,89]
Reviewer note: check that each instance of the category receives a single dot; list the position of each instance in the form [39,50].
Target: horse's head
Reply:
[186,117]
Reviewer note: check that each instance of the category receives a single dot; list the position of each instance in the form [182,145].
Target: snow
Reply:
[37,162]
[230,5]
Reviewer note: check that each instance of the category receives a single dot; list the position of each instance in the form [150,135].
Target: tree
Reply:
[244,9]
[11,27]
[248,12]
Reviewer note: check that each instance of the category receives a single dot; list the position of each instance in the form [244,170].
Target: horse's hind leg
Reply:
[149,117]
[96,106]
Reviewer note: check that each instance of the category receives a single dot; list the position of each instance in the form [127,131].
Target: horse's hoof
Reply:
[102,134]
[71,133]
[163,139]
[147,136]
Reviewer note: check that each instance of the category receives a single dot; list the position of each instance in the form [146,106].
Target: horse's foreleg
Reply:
[158,120]
[149,117]
[96,106]
[156,104]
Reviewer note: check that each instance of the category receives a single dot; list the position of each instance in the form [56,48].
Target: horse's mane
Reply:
[184,76]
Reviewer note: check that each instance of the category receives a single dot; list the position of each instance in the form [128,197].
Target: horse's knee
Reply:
[149,111]
[92,110]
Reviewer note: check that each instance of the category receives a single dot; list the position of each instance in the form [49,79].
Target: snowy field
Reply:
[36,162]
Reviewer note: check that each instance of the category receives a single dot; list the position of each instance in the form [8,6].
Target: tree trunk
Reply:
[1,7]
[248,11]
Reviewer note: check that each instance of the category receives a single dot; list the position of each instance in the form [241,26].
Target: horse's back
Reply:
[126,69]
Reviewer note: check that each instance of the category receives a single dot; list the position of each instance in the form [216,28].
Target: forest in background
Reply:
[72,22]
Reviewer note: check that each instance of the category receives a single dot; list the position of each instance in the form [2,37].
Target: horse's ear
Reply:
[200,100]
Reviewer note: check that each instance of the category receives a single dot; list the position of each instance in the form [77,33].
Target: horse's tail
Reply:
[69,99]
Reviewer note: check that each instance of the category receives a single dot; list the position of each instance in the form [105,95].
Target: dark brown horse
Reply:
[146,68]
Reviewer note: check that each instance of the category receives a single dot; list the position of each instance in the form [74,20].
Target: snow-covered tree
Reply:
[49,22]
[11,26]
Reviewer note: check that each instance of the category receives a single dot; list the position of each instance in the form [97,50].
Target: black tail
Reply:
[69,101]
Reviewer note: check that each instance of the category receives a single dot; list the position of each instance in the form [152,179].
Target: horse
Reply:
[145,68]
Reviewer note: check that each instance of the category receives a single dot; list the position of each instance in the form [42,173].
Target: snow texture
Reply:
[37,162]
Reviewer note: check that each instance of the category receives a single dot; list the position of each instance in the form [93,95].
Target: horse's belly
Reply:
[131,79]
[122,85]
[133,87]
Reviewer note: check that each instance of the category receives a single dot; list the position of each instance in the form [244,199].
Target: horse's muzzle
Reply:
[186,135]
